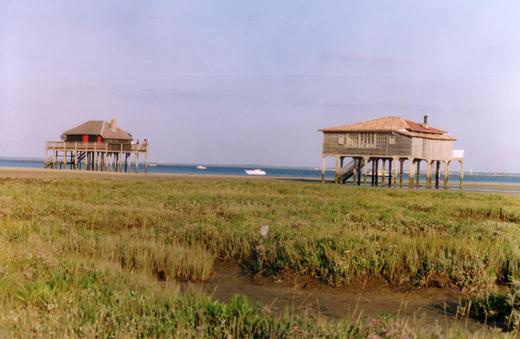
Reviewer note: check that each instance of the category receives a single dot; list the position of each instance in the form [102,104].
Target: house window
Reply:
[352,141]
[391,140]
[381,140]
[367,140]
[341,140]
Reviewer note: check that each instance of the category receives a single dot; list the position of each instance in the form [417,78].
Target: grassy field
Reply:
[102,256]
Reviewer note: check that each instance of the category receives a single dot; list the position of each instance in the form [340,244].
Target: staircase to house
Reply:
[348,170]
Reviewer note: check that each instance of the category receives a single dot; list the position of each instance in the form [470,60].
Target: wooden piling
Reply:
[365,179]
[418,173]
[461,184]
[401,172]
[383,171]
[411,176]
[390,176]
[446,173]
[323,164]
[437,173]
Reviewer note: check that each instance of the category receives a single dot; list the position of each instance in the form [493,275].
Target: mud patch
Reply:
[367,300]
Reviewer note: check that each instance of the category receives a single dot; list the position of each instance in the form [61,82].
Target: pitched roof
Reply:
[392,124]
[98,127]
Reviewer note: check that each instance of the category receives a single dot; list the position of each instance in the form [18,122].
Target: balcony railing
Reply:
[457,154]
[94,146]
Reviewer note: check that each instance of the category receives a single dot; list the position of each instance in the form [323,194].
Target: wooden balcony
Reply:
[95,147]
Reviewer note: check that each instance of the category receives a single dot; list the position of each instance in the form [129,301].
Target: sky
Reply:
[251,82]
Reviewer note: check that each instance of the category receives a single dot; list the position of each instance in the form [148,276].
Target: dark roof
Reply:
[393,124]
[98,127]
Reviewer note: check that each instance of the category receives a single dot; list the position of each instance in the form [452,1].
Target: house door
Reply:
[85,138]
[99,139]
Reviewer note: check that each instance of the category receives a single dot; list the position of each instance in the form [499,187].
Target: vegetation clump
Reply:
[502,309]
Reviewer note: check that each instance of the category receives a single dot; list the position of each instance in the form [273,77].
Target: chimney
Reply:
[425,120]
[113,125]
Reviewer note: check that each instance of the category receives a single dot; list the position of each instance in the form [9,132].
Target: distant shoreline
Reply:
[35,173]
[284,167]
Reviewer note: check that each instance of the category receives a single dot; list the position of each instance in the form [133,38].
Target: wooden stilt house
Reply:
[96,145]
[379,149]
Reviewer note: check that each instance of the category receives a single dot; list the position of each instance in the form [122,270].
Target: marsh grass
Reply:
[499,307]
[337,234]
[82,257]
[164,261]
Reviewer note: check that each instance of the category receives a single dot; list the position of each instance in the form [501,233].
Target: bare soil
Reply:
[366,300]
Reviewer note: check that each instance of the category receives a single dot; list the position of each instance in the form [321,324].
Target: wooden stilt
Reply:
[323,164]
[146,161]
[411,175]
[390,176]
[94,160]
[354,170]
[428,173]
[377,172]
[383,172]
[366,160]
[446,173]
[418,173]
[360,165]
[337,165]
[395,174]
[341,169]
[121,160]
[85,159]
[437,173]
[46,159]
[373,177]
[461,185]
[401,172]
[76,155]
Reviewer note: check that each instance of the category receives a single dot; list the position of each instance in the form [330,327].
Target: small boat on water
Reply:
[255,172]
[152,164]
[201,168]
[379,174]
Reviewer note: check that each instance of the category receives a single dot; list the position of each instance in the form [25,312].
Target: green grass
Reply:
[336,234]
[90,256]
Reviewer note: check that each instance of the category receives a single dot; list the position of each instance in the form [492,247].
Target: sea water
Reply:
[282,172]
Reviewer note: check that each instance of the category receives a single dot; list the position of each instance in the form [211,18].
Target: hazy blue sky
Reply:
[252,81]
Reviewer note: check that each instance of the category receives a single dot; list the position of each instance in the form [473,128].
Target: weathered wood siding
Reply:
[432,149]
[386,144]
[93,138]
[382,144]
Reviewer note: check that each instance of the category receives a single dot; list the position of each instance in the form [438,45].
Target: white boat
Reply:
[255,172]
[152,165]
[200,167]
[380,174]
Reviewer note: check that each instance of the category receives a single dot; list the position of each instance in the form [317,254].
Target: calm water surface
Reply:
[283,172]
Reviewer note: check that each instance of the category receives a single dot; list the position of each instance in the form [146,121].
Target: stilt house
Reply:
[379,149]
[96,145]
